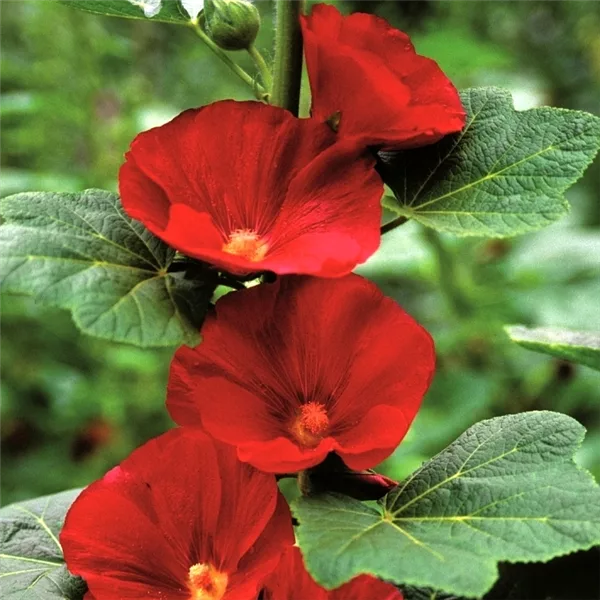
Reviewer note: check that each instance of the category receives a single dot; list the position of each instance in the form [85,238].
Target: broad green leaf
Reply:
[81,252]
[503,175]
[578,346]
[31,560]
[505,490]
[166,11]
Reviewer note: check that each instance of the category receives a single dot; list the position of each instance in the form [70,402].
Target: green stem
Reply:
[258,89]
[393,224]
[287,69]
[447,274]
[265,72]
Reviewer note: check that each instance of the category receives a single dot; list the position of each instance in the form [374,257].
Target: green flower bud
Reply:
[231,24]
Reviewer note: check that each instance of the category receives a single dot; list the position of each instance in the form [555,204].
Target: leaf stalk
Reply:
[259,90]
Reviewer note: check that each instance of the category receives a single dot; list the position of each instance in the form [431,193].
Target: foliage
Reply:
[31,563]
[504,174]
[166,11]
[69,132]
[81,252]
[440,528]
[578,346]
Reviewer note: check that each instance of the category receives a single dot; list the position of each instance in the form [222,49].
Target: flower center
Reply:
[247,244]
[206,583]
[310,426]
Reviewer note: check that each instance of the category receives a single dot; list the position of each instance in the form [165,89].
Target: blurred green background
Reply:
[76,89]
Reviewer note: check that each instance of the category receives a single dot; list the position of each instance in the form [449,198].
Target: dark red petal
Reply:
[281,455]
[186,227]
[112,543]
[257,499]
[291,581]
[368,71]
[233,160]
[222,407]
[142,199]
[215,384]
[365,587]
[234,167]
[375,436]
[331,254]
[332,230]
[179,500]
[393,361]
[122,534]
[264,556]
[273,348]
[334,476]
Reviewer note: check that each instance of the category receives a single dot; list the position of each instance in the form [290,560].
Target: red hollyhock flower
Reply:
[180,519]
[366,76]
[291,371]
[291,581]
[248,187]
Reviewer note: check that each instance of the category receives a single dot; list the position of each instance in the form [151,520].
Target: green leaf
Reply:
[582,347]
[165,11]
[505,174]
[505,490]
[31,564]
[81,252]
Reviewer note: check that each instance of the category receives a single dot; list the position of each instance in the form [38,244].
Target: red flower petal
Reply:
[291,371]
[291,581]
[365,587]
[248,187]
[263,557]
[368,72]
[179,501]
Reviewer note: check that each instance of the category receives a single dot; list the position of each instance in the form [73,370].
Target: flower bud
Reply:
[231,24]
[332,475]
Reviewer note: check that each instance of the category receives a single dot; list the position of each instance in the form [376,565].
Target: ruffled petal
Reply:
[367,71]
[291,581]
[179,500]
[291,371]
[264,556]
[372,439]
[282,455]
[248,187]
[366,587]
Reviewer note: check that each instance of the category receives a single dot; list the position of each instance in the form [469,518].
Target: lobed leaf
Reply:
[31,559]
[503,175]
[505,490]
[166,11]
[81,252]
[582,347]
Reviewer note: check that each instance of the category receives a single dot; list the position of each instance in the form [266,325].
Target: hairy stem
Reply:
[258,89]
[287,69]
